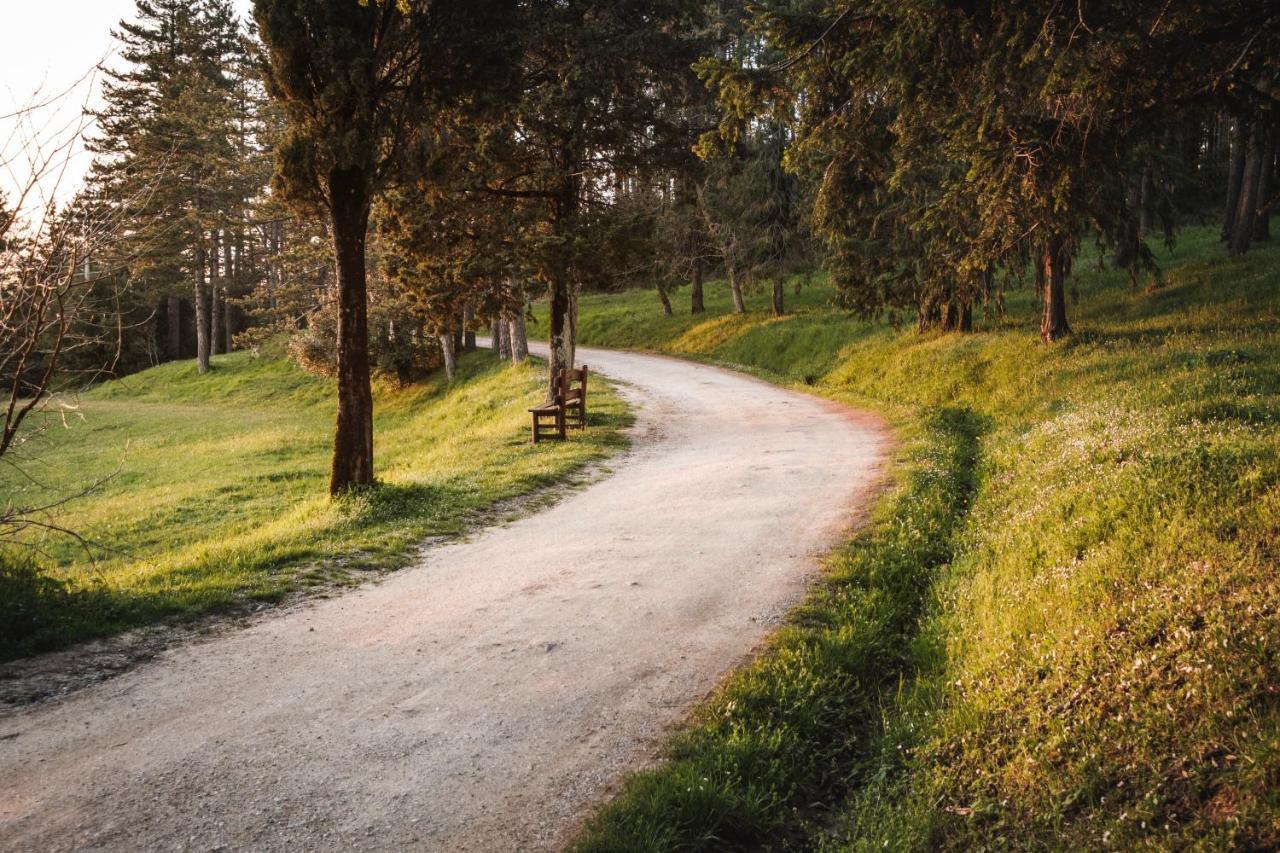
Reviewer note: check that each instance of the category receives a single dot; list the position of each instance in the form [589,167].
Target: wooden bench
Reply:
[566,408]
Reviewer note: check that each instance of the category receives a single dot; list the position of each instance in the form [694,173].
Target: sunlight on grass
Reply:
[1098,640]
[215,486]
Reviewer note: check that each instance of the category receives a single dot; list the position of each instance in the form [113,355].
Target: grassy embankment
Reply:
[1060,629]
[215,489]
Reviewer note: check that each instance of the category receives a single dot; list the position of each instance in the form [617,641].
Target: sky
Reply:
[51,47]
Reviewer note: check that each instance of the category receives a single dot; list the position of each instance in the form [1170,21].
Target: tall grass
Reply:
[215,488]
[1092,660]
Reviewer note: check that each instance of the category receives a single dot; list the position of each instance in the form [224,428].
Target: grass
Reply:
[215,488]
[1060,629]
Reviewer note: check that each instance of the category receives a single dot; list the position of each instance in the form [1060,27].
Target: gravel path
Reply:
[489,697]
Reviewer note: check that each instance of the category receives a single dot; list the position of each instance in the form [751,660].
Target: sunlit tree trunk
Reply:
[519,337]
[200,297]
[448,345]
[1056,262]
[735,286]
[216,304]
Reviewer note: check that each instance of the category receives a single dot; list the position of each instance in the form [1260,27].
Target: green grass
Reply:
[1060,628]
[215,488]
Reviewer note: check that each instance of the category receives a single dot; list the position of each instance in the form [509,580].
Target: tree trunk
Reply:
[1235,175]
[504,337]
[739,306]
[353,438]
[468,333]
[1247,208]
[202,309]
[697,306]
[519,337]
[448,344]
[217,331]
[1144,204]
[1053,325]
[563,320]
[778,308]
[232,269]
[495,336]
[666,300]
[173,337]
[1266,186]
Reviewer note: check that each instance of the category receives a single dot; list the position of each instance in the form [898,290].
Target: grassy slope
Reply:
[218,495]
[1061,628]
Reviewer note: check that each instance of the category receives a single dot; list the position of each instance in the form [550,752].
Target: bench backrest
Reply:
[565,389]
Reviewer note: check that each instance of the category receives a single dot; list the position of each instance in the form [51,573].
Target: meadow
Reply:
[209,492]
[1060,628]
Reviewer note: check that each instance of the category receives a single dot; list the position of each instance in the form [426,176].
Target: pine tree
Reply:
[359,84]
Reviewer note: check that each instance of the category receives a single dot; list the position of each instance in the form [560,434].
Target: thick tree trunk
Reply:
[448,344]
[563,330]
[504,337]
[173,329]
[735,286]
[778,286]
[353,438]
[495,336]
[1247,208]
[667,310]
[202,309]
[696,300]
[1053,325]
[1235,175]
[468,332]
[519,337]
[1266,186]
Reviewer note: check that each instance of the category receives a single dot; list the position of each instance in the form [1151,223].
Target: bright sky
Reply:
[48,47]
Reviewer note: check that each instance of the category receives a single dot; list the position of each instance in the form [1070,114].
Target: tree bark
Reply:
[231,266]
[697,306]
[667,310]
[739,306]
[173,336]
[519,337]
[353,438]
[1235,175]
[563,320]
[202,309]
[448,344]
[1266,186]
[1144,204]
[1247,208]
[1053,325]
[468,333]
[217,332]
[504,337]
[778,287]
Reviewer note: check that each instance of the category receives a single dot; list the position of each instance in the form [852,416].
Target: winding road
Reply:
[490,696]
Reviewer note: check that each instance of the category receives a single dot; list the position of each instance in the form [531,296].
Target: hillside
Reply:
[1060,629]
[213,488]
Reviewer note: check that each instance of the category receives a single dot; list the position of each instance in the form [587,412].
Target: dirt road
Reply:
[488,697]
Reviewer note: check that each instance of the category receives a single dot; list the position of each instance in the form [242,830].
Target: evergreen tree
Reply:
[358,83]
